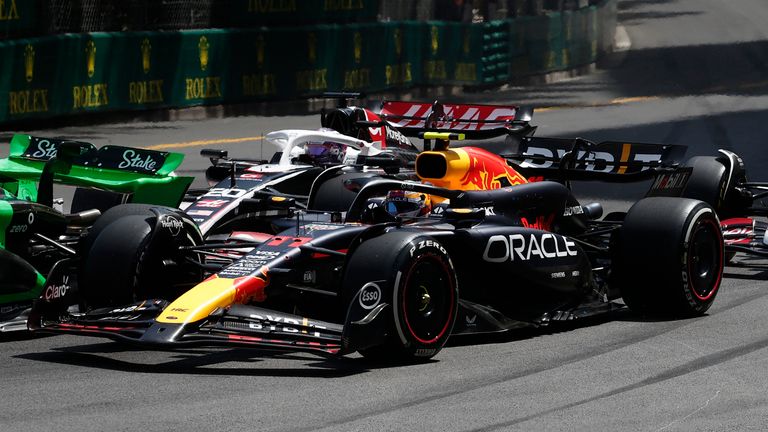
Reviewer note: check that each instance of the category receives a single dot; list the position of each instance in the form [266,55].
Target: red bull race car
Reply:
[492,252]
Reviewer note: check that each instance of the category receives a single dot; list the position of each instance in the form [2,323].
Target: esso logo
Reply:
[370,296]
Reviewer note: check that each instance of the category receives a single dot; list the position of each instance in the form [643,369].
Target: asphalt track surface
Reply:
[696,74]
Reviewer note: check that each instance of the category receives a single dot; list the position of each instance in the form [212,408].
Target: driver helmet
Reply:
[296,153]
[408,204]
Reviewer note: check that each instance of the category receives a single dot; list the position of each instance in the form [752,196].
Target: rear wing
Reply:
[129,159]
[579,159]
[476,121]
[148,174]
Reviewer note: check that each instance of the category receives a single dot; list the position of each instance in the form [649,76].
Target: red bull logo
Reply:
[539,222]
[251,288]
[488,171]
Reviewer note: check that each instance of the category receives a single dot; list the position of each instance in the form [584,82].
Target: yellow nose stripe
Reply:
[200,301]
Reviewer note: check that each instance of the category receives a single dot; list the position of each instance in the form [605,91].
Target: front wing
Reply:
[237,325]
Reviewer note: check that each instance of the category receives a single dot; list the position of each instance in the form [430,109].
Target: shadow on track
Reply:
[196,362]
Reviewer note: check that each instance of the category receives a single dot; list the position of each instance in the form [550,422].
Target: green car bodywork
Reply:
[143,176]
[28,155]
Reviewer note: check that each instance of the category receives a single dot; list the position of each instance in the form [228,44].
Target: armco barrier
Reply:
[95,72]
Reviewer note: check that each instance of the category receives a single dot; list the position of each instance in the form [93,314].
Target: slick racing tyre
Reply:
[107,218]
[124,262]
[668,257]
[417,278]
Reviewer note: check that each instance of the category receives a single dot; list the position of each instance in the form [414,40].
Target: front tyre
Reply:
[127,260]
[419,281]
[670,257]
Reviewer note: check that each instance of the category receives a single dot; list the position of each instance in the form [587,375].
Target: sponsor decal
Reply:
[172,224]
[18,228]
[211,203]
[457,117]
[598,161]
[309,276]
[427,244]
[136,308]
[370,295]
[540,222]
[133,159]
[311,227]
[30,218]
[249,264]
[487,171]
[489,211]
[672,181]
[522,247]
[29,63]
[203,46]
[284,324]
[44,150]
[250,176]
[470,320]
[396,136]
[425,352]
[575,210]
[200,212]
[57,291]
[558,275]
[12,308]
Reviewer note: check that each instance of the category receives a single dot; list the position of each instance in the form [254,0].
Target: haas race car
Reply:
[477,249]
[355,145]
[722,182]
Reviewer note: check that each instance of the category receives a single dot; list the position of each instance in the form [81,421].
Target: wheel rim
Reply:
[428,297]
[705,257]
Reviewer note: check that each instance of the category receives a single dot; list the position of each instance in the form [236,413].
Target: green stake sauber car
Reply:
[35,234]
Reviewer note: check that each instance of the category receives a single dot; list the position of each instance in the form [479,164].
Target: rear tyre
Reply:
[669,257]
[126,263]
[418,280]
[707,181]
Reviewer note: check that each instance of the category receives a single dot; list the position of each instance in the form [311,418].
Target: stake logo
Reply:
[45,150]
[132,159]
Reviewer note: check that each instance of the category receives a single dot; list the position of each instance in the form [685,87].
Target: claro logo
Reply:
[57,291]
[522,247]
